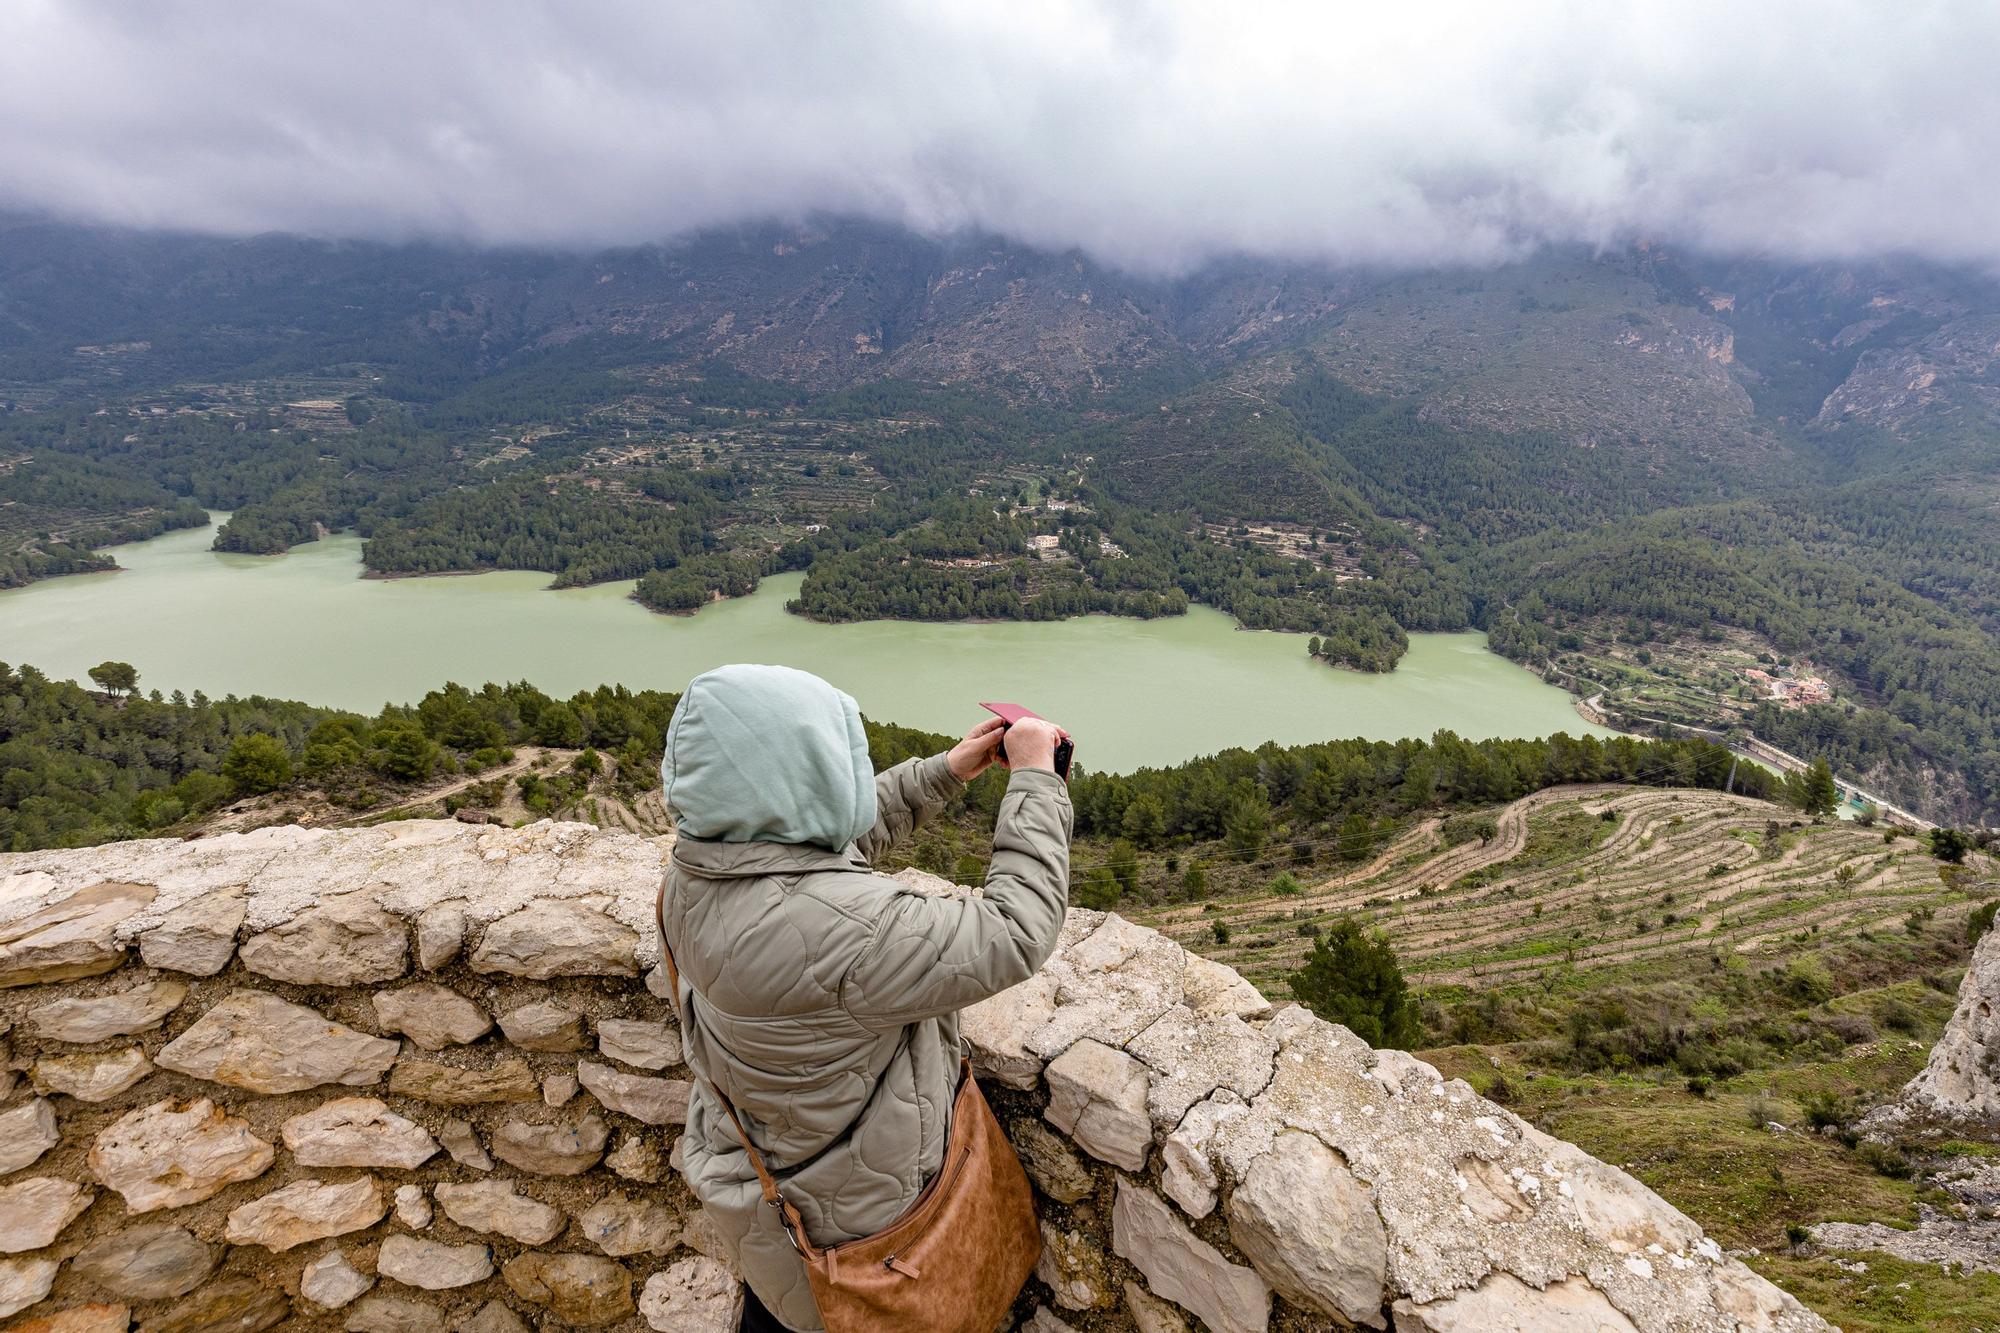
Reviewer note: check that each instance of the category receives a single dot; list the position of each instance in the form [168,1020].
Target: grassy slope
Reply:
[1564,913]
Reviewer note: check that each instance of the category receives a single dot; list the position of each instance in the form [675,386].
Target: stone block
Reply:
[349,941]
[1184,1268]
[1311,1229]
[1097,1095]
[256,1041]
[100,1017]
[169,1155]
[306,1210]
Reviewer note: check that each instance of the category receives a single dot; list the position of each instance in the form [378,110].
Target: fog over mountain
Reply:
[1151,137]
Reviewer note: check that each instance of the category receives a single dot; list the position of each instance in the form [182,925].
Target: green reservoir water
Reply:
[307,626]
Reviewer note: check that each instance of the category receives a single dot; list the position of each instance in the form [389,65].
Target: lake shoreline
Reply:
[310,628]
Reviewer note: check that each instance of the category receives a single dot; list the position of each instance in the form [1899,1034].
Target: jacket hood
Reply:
[768,754]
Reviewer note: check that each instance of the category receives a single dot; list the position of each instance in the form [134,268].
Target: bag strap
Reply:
[794,1224]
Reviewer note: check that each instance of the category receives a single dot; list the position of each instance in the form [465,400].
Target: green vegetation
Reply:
[1351,978]
[1609,463]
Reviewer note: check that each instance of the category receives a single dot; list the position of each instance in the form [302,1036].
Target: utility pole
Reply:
[1729,787]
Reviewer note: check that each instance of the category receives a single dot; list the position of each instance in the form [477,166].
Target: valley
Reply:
[1637,472]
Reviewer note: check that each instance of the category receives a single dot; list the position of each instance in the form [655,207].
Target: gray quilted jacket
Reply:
[823,999]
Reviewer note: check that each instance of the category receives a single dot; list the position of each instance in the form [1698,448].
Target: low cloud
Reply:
[1151,136]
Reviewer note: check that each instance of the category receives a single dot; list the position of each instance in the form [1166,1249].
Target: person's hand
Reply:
[978,751]
[1031,743]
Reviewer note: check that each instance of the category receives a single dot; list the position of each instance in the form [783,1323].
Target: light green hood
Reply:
[768,754]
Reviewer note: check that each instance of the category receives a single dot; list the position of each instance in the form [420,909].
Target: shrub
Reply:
[257,763]
[1886,1161]
[1697,1086]
[1352,978]
[1808,981]
[1980,921]
[1949,844]
[1900,1015]
[1824,1110]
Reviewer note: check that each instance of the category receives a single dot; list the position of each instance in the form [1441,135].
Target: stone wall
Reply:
[420,1077]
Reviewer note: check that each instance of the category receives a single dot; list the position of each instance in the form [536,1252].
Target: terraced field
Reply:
[1585,878]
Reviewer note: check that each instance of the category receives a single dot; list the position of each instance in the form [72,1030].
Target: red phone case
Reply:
[1009,713]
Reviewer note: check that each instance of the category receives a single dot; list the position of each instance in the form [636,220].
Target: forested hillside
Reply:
[1648,474]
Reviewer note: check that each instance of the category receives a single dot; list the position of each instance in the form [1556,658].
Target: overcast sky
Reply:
[1151,135]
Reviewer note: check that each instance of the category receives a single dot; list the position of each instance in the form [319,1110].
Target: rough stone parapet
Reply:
[408,1077]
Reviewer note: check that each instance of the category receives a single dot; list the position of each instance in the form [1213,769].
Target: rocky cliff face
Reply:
[420,1077]
[1958,1090]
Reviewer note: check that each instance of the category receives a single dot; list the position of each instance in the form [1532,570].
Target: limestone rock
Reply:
[655,1101]
[432,1265]
[641,1045]
[256,1041]
[1043,1320]
[544,1026]
[637,1158]
[1073,1267]
[440,935]
[493,1206]
[508,1081]
[1051,1163]
[1190,1179]
[25,1281]
[394,1314]
[357,1131]
[1304,1222]
[413,1209]
[705,1238]
[1097,1095]
[33,1212]
[551,1150]
[97,1318]
[198,937]
[1505,1304]
[140,1009]
[349,941]
[168,1155]
[1001,1027]
[492,1317]
[554,938]
[557,1089]
[1623,1214]
[233,1305]
[1214,988]
[1182,1267]
[1959,1085]
[146,1262]
[576,1288]
[1114,983]
[93,1076]
[692,1296]
[75,937]
[619,1226]
[26,1132]
[306,1210]
[1195,1054]
[462,1142]
[1149,1313]
[431,1015]
[331,1282]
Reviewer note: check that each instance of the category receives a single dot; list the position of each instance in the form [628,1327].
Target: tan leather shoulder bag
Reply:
[953,1263]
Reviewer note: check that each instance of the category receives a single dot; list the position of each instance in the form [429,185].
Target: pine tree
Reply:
[1352,978]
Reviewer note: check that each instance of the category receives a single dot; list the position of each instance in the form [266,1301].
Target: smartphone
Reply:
[1012,713]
